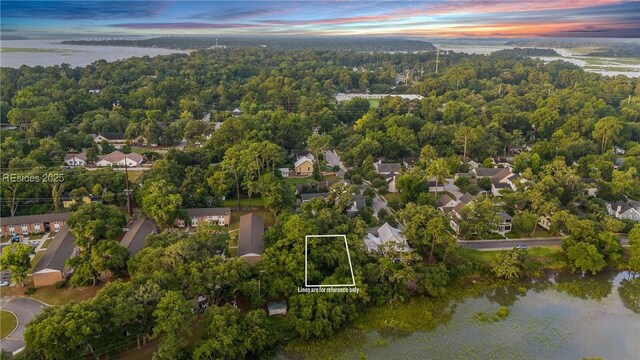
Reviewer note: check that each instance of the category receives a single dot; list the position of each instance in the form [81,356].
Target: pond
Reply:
[562,316]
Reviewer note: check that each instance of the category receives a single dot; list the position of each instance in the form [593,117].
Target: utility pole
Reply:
[127,191]
[437,60]
[629,99]
[500,90]
[421,71]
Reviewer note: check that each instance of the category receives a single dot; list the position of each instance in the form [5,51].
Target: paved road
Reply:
[379,204]
[450,187]
[508,244]
[25,309]
[333,159]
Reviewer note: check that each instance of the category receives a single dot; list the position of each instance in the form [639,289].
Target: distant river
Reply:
[561,316]
[15,53]
[602,65]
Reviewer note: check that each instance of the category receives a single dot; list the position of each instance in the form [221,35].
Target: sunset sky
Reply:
[443,18]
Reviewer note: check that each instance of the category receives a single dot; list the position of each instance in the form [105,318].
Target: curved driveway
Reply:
[25,309]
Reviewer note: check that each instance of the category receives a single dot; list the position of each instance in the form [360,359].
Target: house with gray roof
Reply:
[384,239]
[250,242]
[136,237]
[219,216]
[52,267]
[623,210]
[386,168]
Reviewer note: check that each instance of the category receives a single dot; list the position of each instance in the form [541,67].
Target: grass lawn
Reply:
[135,175]
[393,196]
[492,236]
[539,233]
[549,257]
[244,201]
[5,238]
[47,242]
[35,259]
[8,323]
[374,103]
[266,215]
[53,296]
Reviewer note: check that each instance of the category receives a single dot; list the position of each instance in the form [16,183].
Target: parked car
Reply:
[4,283]
[15,239]
[523,247]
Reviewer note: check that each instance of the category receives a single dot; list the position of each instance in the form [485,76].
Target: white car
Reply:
[4,283]
[523,247]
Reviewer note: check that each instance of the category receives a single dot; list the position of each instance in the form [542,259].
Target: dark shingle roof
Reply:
[250,235]
[136,238]
[113,135]
[60,249]
[466,198]
[486,172]
[208,212]
[444,199]
[32,219]
[389,167]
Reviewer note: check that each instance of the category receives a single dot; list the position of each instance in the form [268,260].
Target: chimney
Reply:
[618,210]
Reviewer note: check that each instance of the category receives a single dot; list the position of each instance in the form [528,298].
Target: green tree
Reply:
[318,144]
[585,257]
[439,170]
[509,264]
[16,259]
[480,217]
[93,222]
[162,203]
[463,137]
[606,129]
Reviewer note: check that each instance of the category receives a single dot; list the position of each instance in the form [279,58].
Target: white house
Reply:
[624,210]
[118,158]
[76,159]
[386,238]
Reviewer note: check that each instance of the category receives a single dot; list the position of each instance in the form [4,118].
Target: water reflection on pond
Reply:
[561,316]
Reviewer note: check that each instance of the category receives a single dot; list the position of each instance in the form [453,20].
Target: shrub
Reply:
[29,290]
[60,284]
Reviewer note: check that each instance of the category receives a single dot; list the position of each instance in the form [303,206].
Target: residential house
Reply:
[52,267]
[445,201]
[358,204]
[33,224]
[618,150]
[117,139]
[250,242]
[69,201]
[590,186]
[505,222]
[545,222]
[618,163]
[385,238]
[386,168]
[219,216]
[391,182]
[277,308]
[236,112]
[118,158]
[137,232]
[466,198]
[433,187]
[76,159]
[285,172]
[347,97]
[455,215]
[304,165]
[502,161]
[409,162]
[623,210]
